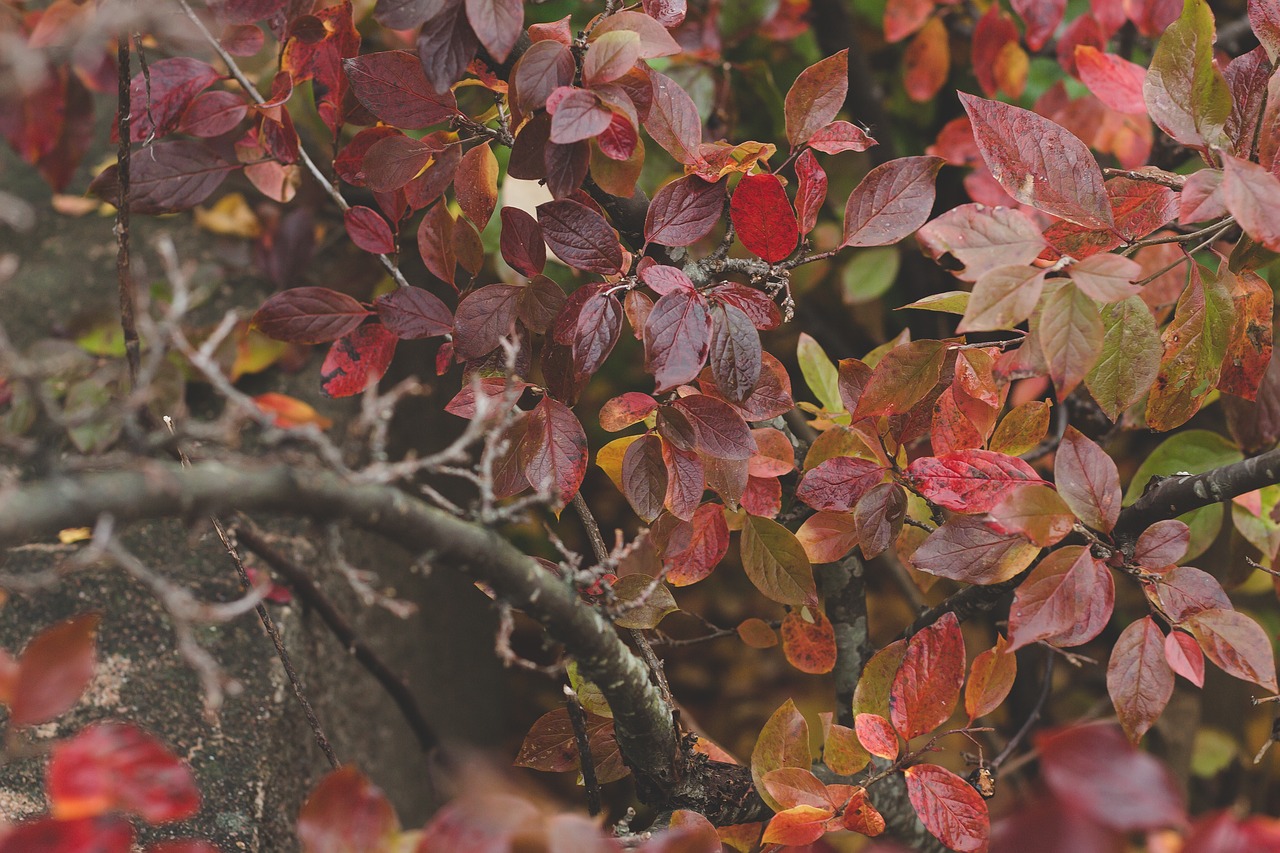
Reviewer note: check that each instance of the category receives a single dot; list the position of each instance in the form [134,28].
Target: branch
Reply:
[1176,495]
[966,603]
[665,772]
[847,612]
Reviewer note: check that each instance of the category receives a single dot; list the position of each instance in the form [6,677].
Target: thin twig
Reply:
[578,719]
[299,580]
[1045,689]
[124,278]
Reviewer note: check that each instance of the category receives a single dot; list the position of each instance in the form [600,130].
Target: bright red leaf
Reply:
[949,807]
[927,685]
[357,360]
[763,217]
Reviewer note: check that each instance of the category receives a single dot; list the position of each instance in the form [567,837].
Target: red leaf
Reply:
[689,561]
[763,217]
[1139,678]
[664,279]
[446,45]
[392,86]
[927,685]
[1162,544]
[521,243]
[1264,17]
[1066,601]
[102,834]
[1116,82]
[1106,277]
[904,17]
[577,115]
[677,338]
[435,243]
[53,671]
[812,190]
[626,409]
[214,113]
[876,735]
[369,231]
[1041,17]
[1184,657]
[836,485]
[497,23]
[393,162]
[345,811]
[758,306]
[798,826]
[1249,344]
[860,815]
[734,354]
[316,46]
[484,316]
[544,67]
[718,430]
[599,324]
[893,200]
[1087,480]
[1252,195]
[970,481]
[655,41]
[983,238]
[673,120]
[878,517]
[809,646]
[948,807]
[309,315]
[357,360]
[553,451]
[1184,591]
[644,477]
[966,548]
[1094,769]
[118,767]
[827,536]
[762,496]
[1039,162]
[1237,644]
[816,96]
[411,312]
[158,98]
[902,378]
[540,303]
[669,13]
[990,679]
[1037,512]
[796,786]
[684,211]
[167,177]
[839,136]
[580,236]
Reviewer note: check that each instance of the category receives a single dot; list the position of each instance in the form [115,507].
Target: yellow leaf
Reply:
[230,216]
[72,535]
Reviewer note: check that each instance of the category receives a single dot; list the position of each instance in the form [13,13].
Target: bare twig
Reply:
[124,277]
[1046,688]
[586,763]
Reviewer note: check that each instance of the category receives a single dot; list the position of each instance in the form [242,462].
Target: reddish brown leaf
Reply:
[369,231]
[214,113]
[757,633]
[497,23]
[1249,343]
[435,243]
[686,481]
[446,45]
[158,99]
[893,200]
[673,120]
[115,767]
[734,354]
[904,17]
[1066,601]
[995,46]
[309,315]
[553,450]
[1087,480]
[966,548]
[677,338]
[357,360]
[394,161]
[644,477]
[599,324]
[811,192]
[52,672]
[1162,544]
[763,217]
[483,317]
[1070,333]
[1237,644]
[1184,591]
[1184,656]
[878,517]
[411,312]
[860,815]
[167,177]
[836,485]
[392,86]
[949,807]
[664,279]
[684,211]
[316,46]
[783,742]
[1139,678]
[521,244]
[816,96]
[927,685]
[708,542]
[541,301]
[550,747]
[610,55]
[809,644]
[543,68]
[970,481]
[758,306]
[876,735]
[577,115]
[1106,277]
[990,680]
[1022,429]
[476,185]
[718,431]
[580,236]
[902,378]
[1039,162]
[827,536]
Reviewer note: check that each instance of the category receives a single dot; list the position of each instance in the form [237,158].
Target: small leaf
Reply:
[811,191]
[966,548]
[677,338]
[816,96]
[990,679]
[411,313]
[369,231]
[684,211]
[1022,429]
[776,563]
[1115,81]
[580,236]
[1129,360]
[983,238]
[828,536]
[1162,544]
[798,826]
[484,316]
[1037,512]
[644,477]
[927,685]
[876,736]
[970,481]
[609,56]
[357,360]
[878,518]
[641,604]
[757,634]
[902,378]
[1184,657]
[1237,644]
[392,86]
[309,315]
[949,807]
[1139,678]
[836,485]
[734,354]
[553,450]
[809,644]
[718,430]
[783,742]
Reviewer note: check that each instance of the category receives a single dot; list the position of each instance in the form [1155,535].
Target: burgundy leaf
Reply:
[393,162]
[893,200]
[677,338]
[1139,678]
[483,317]
[544,67]
[599,325]
[213,114]
[965,548]
[411,312]
[446,45]
[368,230]
[1088,481]
[812,191]
[435,243]
[167,177]
[521,242]
[719,431]
[159,98]
[553,450]
[576,114]
[735,352]
[684,211]
[393,87]
[673,120]
[644,477]
[309,315]
[1066,601]
[836,485]
[497,23]
[816,96]
[580,236]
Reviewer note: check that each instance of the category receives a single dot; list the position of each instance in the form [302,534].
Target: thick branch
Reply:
[1178,494]
[645,731]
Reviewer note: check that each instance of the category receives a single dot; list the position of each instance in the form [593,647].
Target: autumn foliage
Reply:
[1057,242]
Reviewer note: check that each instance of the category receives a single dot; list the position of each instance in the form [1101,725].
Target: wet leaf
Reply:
[927,685]
[809,644]
[1066,600]
[1139,678]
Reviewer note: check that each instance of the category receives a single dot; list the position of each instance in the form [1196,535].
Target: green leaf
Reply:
[1071,335]
[820,373]
[1191,452]
[639,606]
[776,563]
[1186,94]
[950,302]
[870,274]
[783,742]
[1130,357]
[1195,344]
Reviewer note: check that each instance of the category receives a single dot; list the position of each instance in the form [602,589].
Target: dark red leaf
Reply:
[763,217]
[983,238]
[1041,17]
[247,11]
[158,98]
[392,86]
[894,199]
[970,481]
[540,302]
[836,485]
[117,767]
[345,811]
[816,96]
[167,177]
[735,352]
[1115,81]
[404,14]
[411,312]
[644,477]
[446,45]
[1237,644]
[393,162]
[580,236]
[1162,544]
[1139,678]
[966,548]
[314,50]
[214,113]
[1066,601]
[927,685]
[357,360]
[544,67]
[483,317]
[553,450]
[369,231]
[812,191]
[1264,17]
[435,243]
[1184,591]
[949,807]
[53,671]
[684,211]
[677,338]
[1094,769]
[990,679]
[696,548]
[664,279]
[576,114]
[719,431]
[101,834]
[566,167]
[598,328]
[673,120]
[902,378]
[878,517]
[521,243]
[497,23]
[1087,480]
[309,315]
